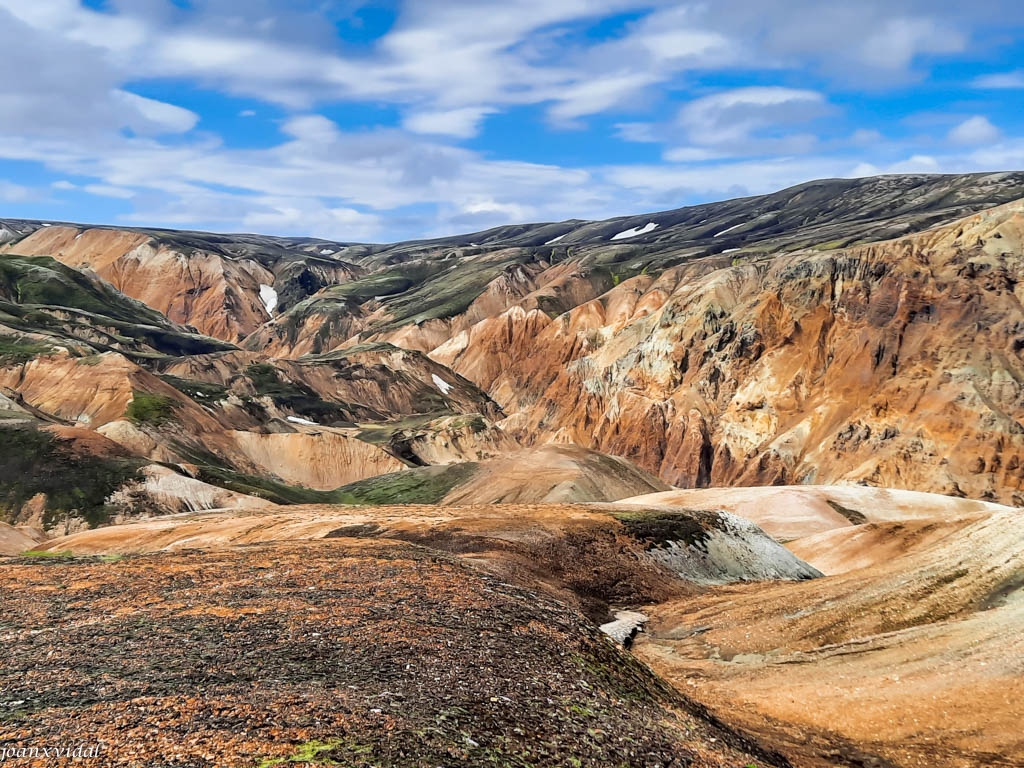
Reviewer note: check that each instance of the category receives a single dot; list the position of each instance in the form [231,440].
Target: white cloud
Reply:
[691,155]
[727,179]
[735,118]
[1001,81]
[107,190]
[64,184]
[895,44]
[156,116]
[15,193]
[975,130]
[462,123]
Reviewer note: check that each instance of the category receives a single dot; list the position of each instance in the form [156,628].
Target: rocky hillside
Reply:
[843,331]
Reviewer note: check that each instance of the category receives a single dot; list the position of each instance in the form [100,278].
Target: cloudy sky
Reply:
[383,121]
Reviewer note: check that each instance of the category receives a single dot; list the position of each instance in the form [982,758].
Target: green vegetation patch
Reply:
[200,391]
[18,351]
[656,528]
[147,409]
[422,485]
[297,397]
[262,487]
[76,484]
[305,753]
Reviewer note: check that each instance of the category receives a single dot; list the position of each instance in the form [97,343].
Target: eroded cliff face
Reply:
[734,344]
[896,364]
[223,297]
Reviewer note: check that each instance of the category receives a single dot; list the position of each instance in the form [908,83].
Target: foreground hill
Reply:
[905,654]
[343,652]
[909,653]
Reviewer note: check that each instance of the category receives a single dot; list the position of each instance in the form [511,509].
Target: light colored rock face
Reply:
[733,550]
[318,459]
[14,541]
[163,491]
[797,511]
[89,394]
[896,364]
[554,475]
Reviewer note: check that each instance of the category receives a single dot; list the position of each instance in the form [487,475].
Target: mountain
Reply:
[766,443]
[839,331]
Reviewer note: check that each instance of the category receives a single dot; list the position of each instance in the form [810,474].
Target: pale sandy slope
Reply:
[14,541]
[790,512]
[913,649]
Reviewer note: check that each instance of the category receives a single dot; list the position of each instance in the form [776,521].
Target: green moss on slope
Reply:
[76,484]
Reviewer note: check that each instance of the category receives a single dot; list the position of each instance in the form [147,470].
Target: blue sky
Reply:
[381,121]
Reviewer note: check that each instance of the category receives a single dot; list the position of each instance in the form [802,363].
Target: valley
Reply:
[269,500]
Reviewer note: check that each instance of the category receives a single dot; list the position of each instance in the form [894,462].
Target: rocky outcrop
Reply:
[895,364]
[314,458]
[552,474]
[162,491]
[218,294]
[14,541]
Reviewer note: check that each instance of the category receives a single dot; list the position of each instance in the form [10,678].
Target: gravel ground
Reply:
[341,652]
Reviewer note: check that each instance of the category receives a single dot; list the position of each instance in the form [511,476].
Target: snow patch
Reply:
[555,239]
[625,626]
[269,298]
[441,384]
[732,250]
[47,225]
[730,229]
[648,227]
[326,252]
[307,422]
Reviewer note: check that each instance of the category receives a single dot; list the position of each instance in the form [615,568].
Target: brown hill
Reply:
[796,511]
[341,652]
[909,655]
[898,364]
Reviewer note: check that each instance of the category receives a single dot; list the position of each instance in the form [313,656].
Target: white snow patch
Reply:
[648,227]
[732,250]
[326,252]
[730,229]
[307,422]
[555,239]
[625,626]
[47,225]
[441,384]
[269,298]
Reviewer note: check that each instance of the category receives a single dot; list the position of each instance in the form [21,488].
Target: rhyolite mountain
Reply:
[842,331]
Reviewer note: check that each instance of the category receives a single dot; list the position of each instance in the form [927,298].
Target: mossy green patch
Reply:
[422,485]
[309,753]
[34,461]
[19,351]
[150,410]
[296,396]
[200,391]
[657,528]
